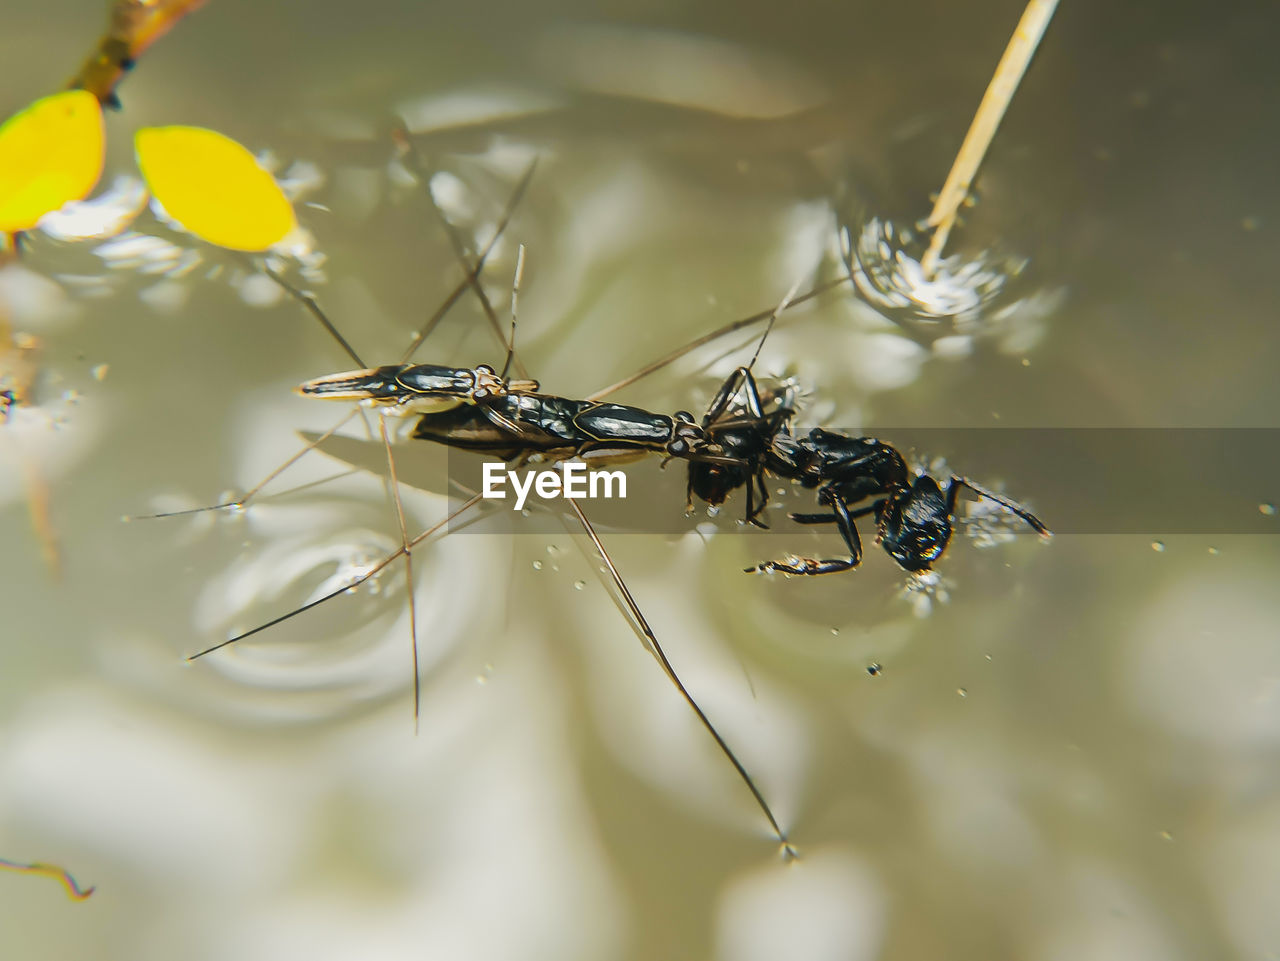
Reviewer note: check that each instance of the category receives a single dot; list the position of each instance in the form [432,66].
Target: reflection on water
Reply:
[1067,758]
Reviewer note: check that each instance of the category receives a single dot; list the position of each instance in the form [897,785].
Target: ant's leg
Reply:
[757,501]
[843,517]
[751,501]
[832,518]
[740,381]
[953,490]
[753,517]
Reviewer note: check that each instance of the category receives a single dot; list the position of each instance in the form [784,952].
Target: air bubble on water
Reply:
[923,590]
[579,585]
[552,549]
[835,632]
[1158,546]
[1267,510]
[963,692]
[537,565]
[1214,552]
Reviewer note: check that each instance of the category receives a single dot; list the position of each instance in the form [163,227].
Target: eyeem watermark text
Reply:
[572,480]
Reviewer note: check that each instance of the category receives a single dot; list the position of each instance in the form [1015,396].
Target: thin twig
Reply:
[132,26]
[1017,56]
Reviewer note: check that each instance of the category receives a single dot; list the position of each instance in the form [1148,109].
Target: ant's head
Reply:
[915,526]
[714,482]
[733,454]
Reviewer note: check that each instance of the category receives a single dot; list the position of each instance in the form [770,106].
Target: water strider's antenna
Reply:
[313,307]
[515,294]
[407,549]
[773,317]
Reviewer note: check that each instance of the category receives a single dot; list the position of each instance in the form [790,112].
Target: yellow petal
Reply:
[213,187]
[50,153]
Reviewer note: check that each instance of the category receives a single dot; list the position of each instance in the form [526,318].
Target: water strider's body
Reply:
[473,409]
[415,388]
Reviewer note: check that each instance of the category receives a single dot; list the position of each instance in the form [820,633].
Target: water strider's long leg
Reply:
[408,569]
[655,647]
[381,565]
[253,491]
[725,331]
[313,308]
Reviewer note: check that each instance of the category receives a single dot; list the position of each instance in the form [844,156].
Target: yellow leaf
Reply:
[50,153]
[213,187]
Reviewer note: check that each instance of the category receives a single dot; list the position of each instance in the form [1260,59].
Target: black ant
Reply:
[914,514]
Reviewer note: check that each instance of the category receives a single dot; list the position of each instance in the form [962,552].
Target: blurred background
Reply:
[1060,750]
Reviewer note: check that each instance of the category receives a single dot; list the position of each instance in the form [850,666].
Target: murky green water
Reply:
[1073,757]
